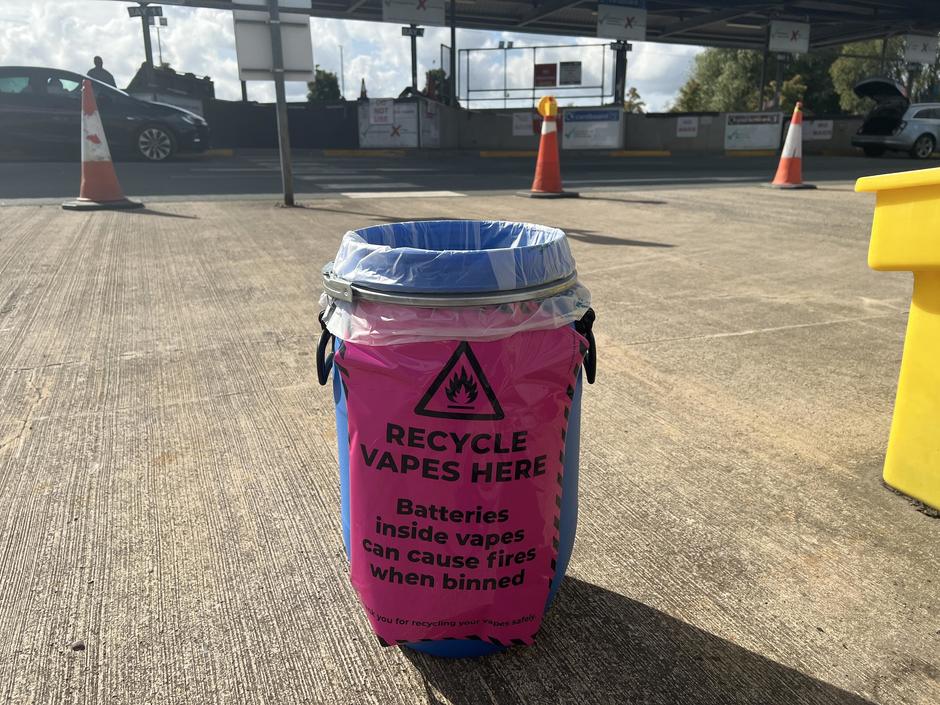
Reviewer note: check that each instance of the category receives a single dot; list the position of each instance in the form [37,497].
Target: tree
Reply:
[791,90]
[632,102]
[722,80]
[726,80]
[324,85]
[435,84]
[863,60]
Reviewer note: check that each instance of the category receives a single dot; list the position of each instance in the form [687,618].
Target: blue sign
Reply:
[591,116]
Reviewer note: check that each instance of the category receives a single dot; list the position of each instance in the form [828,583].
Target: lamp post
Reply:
[413,31]
[505,46]
[145,11]
[620,49]
[152,21]
[342,74]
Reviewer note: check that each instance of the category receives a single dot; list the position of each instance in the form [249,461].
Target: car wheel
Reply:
[873,151]
[155,143]
[923,147]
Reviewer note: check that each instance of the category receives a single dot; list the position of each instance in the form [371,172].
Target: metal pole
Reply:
[763,79]
[535,58]
[467,79]
[148,47]
[414,58]
[911,74]
[778,81]
[244,91]
[620,73]
[505,54]
[159,45]
[626,66]
[603,73]
[763,70]
[283,134]
[453,52]
[342,74]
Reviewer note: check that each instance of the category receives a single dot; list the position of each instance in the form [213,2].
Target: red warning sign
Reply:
[545,75]
[461,391]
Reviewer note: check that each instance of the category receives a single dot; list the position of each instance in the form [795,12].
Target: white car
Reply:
[895,123]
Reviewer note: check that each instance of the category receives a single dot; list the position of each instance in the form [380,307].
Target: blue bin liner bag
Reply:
[454,256]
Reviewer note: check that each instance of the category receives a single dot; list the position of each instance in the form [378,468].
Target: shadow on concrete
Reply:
[598,647]
[641,201]
[377,216]
[162,214]
[594,238]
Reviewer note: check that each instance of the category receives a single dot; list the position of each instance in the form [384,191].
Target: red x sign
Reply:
[422,5]
[795,35]
[396,131]
[628,22]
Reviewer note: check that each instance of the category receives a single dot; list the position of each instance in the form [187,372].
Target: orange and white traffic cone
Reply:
[790,170]
[100,189]
[547,182]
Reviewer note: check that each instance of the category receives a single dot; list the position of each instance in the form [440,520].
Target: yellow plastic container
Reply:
[905,236]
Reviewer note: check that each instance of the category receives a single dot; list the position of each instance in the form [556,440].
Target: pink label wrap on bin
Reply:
[456,469]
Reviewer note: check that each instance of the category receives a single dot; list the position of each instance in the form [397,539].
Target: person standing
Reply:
[99,73]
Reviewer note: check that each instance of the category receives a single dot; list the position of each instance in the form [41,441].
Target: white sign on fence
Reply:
[569,73]
[622,19]
[381,111]
[753,130]
[430,124]
[920,49]
[402,132]
[687,127]
[817,130]
[592,128]
[789,37]
[253,43]
[522,124]
[419,12]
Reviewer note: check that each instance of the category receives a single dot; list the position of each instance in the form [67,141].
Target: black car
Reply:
[40,114]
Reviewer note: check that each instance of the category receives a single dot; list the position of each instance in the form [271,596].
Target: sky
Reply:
[68,33]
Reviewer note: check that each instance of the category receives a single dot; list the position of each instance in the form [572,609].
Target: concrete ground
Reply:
[169,503]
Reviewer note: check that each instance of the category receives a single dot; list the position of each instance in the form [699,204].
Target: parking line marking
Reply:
[669,180]
[229,169]
[402,194]
[338,177]
[346,186]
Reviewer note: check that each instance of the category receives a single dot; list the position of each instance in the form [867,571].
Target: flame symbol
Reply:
[462,388]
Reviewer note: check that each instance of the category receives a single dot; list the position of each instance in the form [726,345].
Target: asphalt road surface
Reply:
[259,174]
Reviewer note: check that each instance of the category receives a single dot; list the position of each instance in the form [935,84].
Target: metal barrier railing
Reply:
[512,96]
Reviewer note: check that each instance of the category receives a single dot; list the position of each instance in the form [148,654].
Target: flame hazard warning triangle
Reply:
[461,391]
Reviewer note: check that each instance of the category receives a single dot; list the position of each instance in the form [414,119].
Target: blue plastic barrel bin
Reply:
[452,264]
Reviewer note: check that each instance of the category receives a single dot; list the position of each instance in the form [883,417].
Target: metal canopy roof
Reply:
[727,23]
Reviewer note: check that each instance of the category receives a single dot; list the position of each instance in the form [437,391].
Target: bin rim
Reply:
[344,290]
[453,256]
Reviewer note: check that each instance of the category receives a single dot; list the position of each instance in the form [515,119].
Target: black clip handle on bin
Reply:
[324,361]
[586,328]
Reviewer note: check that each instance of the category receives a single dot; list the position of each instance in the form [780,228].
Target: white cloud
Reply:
[68,33]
